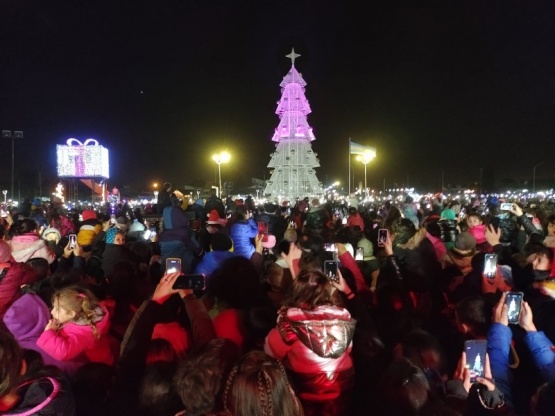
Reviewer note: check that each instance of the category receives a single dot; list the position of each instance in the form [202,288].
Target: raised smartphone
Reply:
[490,266]
[330,270]
[190,281]
[382,236]
[475,350]
[173,265]
[514,305]
[72,241]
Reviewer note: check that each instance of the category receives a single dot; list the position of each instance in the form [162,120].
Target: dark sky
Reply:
[452,85]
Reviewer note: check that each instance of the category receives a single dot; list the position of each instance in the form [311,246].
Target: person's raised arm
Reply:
[499,346]
[257,259]
[292,259]
[131,364]
[202,326]
[533,233]
[349,262]
[539,345]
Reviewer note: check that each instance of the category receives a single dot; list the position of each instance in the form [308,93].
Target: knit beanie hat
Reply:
[111,235]
[5,252]
[51,230]
[136,227]
[366,245]
[87,234]
[220,242]
[465,243]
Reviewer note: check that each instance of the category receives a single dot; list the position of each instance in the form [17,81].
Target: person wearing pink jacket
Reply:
[78,330]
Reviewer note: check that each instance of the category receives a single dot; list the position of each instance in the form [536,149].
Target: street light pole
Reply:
[219,158]
[442,177]
[534,178]
[365,159]
[220,178]
[16,135]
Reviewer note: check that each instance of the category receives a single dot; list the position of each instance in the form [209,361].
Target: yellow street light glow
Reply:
[222,157]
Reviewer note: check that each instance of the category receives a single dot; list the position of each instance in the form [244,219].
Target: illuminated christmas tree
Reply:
[293,161]
[478,368]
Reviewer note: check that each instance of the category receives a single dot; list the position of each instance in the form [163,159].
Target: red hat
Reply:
[89,214]
[214,218]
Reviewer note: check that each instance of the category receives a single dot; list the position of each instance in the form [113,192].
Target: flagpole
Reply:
[349,191]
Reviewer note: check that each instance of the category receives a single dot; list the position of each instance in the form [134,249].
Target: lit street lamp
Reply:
[155,191]
[534,178]
[365,158]
[219,158]
[16,135]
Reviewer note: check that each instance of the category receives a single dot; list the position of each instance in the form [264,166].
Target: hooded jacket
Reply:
[28,246]
[46,395]
[26,320]
[76,341]
[14,276]
[241,233]
[315,346]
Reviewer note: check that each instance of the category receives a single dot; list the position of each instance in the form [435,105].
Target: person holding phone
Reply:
[499,345]
[484,397]
[177,240]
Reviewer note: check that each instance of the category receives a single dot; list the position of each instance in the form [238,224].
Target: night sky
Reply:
[452,85]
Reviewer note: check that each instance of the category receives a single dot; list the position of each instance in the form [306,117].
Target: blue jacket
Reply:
[241,234]
[544,358]
[499,350]
[211,261]
[176,228]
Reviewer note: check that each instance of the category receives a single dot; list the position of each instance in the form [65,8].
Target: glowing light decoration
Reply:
[293,160]
[83,160]
[59,191]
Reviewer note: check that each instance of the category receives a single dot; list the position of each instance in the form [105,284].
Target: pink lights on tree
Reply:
[293,159]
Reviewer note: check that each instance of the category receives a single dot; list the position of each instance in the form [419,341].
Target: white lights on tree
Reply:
[294,176]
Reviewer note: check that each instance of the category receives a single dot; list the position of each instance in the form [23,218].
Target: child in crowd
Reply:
[477,228]
[78,329]
[550,231]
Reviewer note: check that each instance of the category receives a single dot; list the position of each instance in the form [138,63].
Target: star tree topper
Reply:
[292,56]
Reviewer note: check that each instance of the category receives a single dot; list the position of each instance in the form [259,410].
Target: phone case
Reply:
[173,265]
[514,306]
[475,358]
[490,266]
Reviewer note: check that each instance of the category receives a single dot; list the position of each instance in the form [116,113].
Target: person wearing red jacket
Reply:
[13,275]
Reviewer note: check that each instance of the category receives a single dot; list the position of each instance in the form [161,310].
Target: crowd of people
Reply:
[94,322]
